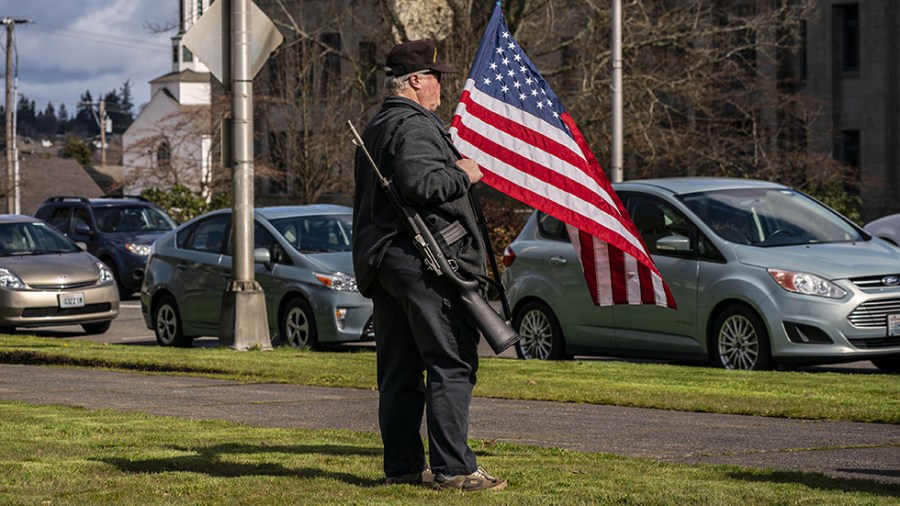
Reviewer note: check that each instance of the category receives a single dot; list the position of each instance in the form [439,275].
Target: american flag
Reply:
[511,123]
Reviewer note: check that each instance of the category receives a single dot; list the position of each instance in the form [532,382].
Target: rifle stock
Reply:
[497,332]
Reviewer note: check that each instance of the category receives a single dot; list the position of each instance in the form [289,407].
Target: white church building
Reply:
[171,139]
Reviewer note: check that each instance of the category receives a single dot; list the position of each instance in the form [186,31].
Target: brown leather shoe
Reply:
[425,477]
[479,480]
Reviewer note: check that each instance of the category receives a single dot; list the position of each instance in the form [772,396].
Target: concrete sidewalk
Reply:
[837,449]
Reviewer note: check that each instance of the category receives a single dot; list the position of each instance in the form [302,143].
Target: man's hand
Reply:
[471,169]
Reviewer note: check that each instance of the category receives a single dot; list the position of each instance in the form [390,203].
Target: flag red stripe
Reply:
[617,275]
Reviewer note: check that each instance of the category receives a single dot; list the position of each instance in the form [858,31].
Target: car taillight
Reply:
[509,256]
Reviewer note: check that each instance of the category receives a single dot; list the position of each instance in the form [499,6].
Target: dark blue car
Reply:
[117,230]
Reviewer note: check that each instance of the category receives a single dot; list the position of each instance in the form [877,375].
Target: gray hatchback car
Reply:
[302,261]
[762,275]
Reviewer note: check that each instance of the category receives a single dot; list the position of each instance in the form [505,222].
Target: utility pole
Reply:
[11,155]
[617,171]
[102,122]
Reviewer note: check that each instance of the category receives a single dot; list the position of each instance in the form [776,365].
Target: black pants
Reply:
[418,330]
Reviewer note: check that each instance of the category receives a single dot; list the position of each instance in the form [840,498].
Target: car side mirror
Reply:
[82,245]
[82,229]
[674,243]
[262,256]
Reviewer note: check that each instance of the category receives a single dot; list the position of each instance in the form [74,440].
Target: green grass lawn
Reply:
[65,455]
[854,397]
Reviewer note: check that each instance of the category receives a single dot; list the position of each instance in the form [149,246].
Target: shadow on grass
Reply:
[211,461]
[822,482]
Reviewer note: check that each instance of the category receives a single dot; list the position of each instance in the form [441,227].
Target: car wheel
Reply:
[540,336]
[888,364]
[298,327]
[741,340]
[167,324]
[96,328]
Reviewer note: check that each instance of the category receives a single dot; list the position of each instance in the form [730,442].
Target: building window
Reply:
[369,65]
[331,64]
[186,55]
[175,54]
[850,150]
[164,156]
[849,37]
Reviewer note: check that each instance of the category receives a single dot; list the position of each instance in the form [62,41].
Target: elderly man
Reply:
[420,328]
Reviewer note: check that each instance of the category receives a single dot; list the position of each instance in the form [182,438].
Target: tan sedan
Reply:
[46,279]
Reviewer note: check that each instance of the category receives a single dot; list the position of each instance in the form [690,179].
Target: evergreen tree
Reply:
[126,108]
[25,117]
[63,119]
[47,122]
[85,122]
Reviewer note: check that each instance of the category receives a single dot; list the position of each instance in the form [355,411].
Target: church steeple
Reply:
[189,12]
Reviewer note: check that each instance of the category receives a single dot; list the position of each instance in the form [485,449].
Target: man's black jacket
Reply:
[411,148]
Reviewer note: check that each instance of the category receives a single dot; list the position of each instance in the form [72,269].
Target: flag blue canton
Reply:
[503,71]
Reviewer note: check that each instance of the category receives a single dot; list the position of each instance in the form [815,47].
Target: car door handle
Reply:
[557,261]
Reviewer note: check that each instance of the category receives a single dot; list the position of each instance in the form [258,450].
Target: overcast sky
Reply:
[72,46]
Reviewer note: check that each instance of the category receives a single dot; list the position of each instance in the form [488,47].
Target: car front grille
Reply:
[879,342]
[73,286]
[42,312]
[874,313]
[876,281]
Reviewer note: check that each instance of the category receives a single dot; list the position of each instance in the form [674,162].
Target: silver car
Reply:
[762,274]
[302,261]
[46,279]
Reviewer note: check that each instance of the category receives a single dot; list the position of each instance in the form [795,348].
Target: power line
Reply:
[100,38]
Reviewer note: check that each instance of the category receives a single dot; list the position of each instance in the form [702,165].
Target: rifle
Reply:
[497,332]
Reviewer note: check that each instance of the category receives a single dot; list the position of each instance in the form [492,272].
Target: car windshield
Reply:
[132,219]
[317,233]
[769,217]
[33,238]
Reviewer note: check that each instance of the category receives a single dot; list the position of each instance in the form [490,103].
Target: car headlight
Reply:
[106,275]
[337,281]
[138,249]
[806,284]
[10,280]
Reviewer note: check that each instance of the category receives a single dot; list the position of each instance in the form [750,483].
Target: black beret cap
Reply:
[415,56]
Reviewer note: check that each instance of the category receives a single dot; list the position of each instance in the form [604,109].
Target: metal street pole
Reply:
[244,322]
[617,169]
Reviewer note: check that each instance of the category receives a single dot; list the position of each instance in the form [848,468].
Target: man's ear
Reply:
[414,81]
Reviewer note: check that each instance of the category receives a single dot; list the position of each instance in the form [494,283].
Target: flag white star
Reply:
[505,61]
[493,66]
[529,80]
[499,50]
[533,93]
[499,77]
[505,35]
[510,72]
[512,45]
[540,105]
[517,84]
[517,57]
[504,88]
[487,81]
[521,96]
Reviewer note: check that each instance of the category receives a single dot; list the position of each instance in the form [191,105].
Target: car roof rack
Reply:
[66,198]
[128,197]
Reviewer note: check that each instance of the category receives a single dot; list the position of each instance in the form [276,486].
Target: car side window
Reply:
[262,238]
[60,217]
[663,229]
[82,217]
[551,228]
[209,235]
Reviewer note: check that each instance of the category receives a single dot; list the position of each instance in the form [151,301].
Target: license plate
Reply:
[71,300]
[893,325]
